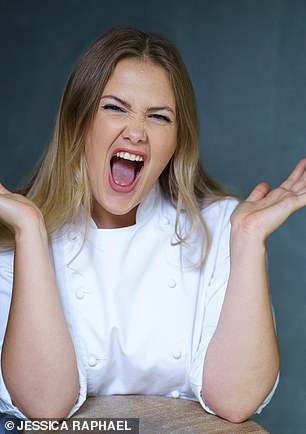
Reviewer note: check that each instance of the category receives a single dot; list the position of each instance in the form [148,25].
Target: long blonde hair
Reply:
[60,186]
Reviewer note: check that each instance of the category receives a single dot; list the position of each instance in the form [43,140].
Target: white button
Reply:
[165,220]
[172,283]
[80,293]
[175,394]
[92,361]
[72,236]
[177,354]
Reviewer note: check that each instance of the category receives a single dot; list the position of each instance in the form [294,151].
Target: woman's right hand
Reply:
[17,212]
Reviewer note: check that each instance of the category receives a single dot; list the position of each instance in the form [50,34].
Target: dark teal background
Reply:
[247,60]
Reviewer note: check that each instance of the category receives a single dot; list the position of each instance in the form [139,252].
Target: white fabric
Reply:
[140,316]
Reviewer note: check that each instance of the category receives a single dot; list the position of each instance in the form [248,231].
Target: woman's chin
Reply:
[121,207]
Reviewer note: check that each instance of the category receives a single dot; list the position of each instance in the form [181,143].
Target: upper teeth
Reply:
[128,156]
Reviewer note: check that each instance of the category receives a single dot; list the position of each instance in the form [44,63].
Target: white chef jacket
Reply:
[140,315]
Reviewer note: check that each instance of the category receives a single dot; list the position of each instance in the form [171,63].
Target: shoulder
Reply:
[217,216]
[222,208]
[214,213]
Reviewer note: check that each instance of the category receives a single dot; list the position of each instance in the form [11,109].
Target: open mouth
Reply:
[125,169]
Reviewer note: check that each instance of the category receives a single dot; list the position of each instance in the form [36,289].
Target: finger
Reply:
[299,185]
[259,192]
[300,202]
[296,174]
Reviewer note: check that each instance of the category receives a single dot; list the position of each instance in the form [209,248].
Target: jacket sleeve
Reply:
[6,285]
[214,296]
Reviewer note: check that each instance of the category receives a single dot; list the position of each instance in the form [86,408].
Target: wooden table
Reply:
[159,415]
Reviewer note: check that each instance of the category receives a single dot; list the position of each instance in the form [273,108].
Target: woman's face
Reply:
[133,137]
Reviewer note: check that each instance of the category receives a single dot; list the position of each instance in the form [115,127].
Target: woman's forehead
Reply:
[140,80]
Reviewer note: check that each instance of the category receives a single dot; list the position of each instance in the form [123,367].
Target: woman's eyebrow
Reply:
[166,107]
[128,106]
[121,101]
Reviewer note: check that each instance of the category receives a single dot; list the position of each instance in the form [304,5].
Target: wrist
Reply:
[245,238]
[32,229]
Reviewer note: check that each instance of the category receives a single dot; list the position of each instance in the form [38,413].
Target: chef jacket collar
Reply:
[75,231]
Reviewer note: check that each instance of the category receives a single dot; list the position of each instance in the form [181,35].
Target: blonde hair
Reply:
[60,185]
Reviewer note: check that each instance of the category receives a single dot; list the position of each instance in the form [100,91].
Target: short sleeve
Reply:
[215,293]
[6,285]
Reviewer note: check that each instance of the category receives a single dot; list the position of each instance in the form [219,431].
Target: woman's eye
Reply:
[113,108]
[160,118]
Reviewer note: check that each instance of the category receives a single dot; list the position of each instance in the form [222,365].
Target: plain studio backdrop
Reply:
[247,61]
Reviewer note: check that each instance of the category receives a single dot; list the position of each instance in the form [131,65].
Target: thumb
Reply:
[259,192]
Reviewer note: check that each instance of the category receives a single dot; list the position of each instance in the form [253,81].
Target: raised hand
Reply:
[17,212]
[264,210]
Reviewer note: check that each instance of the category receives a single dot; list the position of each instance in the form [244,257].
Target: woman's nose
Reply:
[135,131]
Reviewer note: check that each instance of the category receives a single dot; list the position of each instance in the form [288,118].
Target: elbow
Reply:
[236,414]
[57,407]
[233,406]
[49,399]
[55,412]
[237,403]
[229,410]
[58,411]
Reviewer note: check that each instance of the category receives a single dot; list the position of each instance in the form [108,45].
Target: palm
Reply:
[264,211]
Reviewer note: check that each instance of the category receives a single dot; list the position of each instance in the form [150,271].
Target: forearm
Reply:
[242,359]
[38,358]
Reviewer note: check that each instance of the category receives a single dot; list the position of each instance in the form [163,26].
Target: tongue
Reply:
[123,171]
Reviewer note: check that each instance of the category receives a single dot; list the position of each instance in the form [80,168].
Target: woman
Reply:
[121,281]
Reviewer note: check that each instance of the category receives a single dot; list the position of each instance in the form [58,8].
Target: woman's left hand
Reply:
[264,210]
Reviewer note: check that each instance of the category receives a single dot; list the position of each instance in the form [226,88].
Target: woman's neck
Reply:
[106,220]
